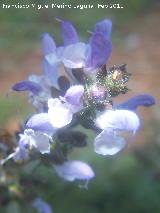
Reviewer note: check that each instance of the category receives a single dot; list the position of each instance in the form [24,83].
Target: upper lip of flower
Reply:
[77,54]
[136,101]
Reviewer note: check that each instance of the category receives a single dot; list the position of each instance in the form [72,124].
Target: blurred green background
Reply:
[125,183]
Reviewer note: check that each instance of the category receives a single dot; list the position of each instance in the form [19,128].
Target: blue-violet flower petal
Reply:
[72,170]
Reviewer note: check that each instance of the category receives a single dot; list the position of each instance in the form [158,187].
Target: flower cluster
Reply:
[77,89]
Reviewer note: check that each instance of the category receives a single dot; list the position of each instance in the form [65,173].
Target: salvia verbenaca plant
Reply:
[76,90]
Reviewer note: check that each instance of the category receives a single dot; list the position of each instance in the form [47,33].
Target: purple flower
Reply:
[69,33]
[97,92]
[38,140]
[139,100]
[21,152]
[19,155]
[49,49]
[31,86]
[74,95]
[48,44]
[76,54]
[41,122]
[41,206]
[52,73]
[35,139]
[52,59]
[40,101]
[30,139]
[100,51]
[108,143]
[61,110]
[59,113]
[105,27]
[118,120]
[89,57]
[38,88]
[72,170]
